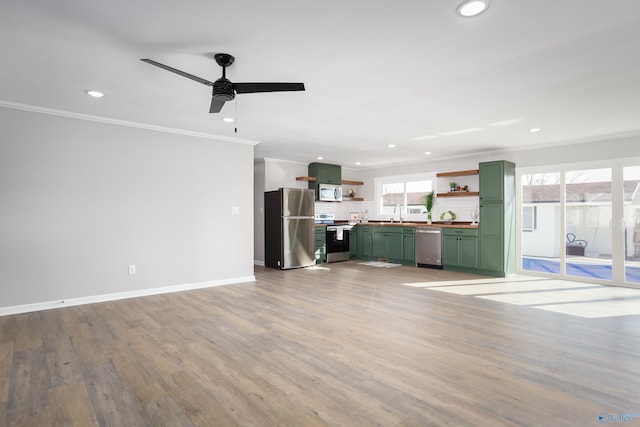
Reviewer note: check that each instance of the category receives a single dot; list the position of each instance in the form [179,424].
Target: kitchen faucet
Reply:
[399,208]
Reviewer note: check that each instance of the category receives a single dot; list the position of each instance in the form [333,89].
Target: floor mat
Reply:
[380,264]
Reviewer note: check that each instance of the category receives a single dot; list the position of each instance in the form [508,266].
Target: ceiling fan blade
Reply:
[267,87]
[175,70]
[216,105]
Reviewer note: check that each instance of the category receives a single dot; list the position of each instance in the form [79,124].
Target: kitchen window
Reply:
[403,194]
[529,218]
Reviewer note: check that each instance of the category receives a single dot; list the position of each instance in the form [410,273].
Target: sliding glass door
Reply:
[540,222]
[588,220]
[631,224]
[581,223]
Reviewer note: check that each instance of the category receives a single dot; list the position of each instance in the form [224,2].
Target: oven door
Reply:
[337,243]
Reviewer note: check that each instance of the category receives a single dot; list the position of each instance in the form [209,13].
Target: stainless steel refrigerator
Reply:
[289,228]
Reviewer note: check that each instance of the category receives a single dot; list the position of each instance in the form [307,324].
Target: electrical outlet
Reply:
[235,210]
[132,269]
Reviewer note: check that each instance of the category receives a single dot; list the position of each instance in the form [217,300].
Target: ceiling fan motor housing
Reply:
[223,90]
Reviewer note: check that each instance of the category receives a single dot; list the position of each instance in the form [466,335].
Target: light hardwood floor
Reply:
[347,345]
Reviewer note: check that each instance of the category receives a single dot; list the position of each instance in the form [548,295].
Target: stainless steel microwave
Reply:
[329,193]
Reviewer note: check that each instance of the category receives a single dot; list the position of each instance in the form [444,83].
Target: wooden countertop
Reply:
[459,224]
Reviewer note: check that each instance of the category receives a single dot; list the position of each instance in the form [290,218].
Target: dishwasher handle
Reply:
[427,231]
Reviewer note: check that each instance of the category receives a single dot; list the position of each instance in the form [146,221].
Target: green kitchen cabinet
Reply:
[325,173]
[353,243]
[408,245]
[387,242]
[364,243]
[460,249]
[393,243]
[321,244]
[379,244]
[496,240]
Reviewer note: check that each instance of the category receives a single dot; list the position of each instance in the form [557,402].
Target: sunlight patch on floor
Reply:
[514,278]
[560,296]
[524,286]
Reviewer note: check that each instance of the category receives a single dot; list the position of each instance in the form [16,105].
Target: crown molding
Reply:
[119,122]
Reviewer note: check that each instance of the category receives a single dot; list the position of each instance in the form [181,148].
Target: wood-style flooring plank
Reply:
[38,420]
[71,406]
[112,402]
[165,413]
[6,353]
[28,385]
[61,363]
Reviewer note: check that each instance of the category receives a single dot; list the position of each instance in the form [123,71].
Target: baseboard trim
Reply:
[48,305]
[257,262]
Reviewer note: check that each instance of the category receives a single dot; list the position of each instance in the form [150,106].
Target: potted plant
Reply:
[452,186]
[428,204]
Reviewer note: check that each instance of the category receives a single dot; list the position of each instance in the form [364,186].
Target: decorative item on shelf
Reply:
[448,217]
[352,192]
[474,216]
[452,186]
[465,188]
[354,218]
[427,200]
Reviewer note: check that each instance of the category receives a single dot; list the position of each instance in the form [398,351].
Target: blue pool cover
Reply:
[581,269]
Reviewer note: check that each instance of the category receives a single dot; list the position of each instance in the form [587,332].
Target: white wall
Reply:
[82,200]
[259,178]
[283,173]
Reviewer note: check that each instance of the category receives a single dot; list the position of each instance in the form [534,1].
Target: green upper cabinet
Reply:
[325,173]
[492,181]
[497,218]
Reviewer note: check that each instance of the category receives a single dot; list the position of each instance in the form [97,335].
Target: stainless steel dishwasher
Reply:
[428,243]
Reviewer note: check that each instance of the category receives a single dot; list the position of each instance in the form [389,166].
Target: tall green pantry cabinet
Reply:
[497,229]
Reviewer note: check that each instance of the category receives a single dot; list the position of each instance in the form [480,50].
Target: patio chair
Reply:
[575,247]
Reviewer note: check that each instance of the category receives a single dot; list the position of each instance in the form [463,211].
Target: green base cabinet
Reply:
[408,245]
[460,249]
[363,241]
[497,219]
[395,244]
[321,245]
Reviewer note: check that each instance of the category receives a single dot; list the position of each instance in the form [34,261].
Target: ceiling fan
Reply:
[223,89]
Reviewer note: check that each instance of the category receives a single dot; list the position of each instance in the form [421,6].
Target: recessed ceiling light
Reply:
[319,157]
[427,153]
[391,145]
[95,93]
[472,7]
[358,163]
[424,137]
[534,130]
[461,131]
[228,120]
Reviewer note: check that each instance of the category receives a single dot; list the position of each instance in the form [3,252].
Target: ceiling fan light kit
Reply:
[223,89]
[471,8]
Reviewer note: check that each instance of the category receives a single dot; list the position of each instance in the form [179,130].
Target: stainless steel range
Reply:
[337,237]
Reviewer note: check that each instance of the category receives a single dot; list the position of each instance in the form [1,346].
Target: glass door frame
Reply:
[617,223]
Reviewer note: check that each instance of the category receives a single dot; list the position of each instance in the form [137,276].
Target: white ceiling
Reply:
[376,72]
